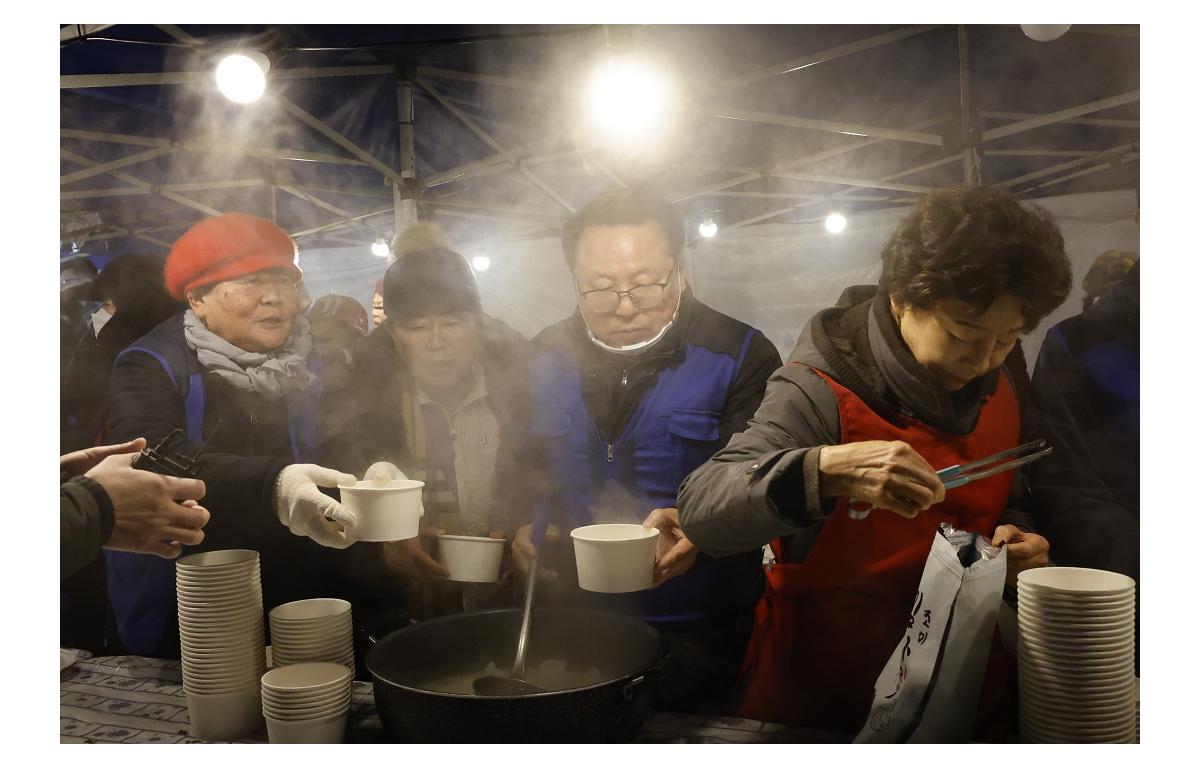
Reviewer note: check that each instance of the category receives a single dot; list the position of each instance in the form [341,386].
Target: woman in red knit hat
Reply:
[240,358]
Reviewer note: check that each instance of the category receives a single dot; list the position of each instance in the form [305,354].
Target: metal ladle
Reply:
[516,684]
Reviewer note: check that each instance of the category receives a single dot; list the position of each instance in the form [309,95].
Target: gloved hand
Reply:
[306,511]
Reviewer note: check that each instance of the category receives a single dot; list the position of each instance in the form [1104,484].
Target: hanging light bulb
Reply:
[627,101]
[708,228]
[481,263]
[242,77]
[381,248]
[1044,33]
[835,223]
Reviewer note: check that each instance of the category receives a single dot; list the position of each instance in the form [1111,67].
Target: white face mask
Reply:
[99,318]
[641,346]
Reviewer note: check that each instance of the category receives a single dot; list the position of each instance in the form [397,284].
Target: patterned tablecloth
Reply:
[138,700]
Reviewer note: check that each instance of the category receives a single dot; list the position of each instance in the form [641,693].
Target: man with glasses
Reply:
[641,385]
[238,374]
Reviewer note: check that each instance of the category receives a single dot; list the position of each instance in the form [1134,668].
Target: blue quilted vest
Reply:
[141,588]
[674,430]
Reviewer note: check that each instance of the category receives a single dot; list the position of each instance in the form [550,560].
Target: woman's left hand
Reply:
[1025,550]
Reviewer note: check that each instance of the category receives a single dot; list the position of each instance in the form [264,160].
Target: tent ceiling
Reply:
[774,123]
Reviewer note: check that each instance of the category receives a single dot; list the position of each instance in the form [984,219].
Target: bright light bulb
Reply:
[835,223]
[243,78]
[708,228]
[481,263]
[380,248]
[627,101]
[1044,33]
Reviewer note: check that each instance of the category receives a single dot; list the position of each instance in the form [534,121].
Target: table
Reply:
[140,700]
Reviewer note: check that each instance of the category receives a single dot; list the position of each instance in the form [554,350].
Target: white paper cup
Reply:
[615,557]
[298,678]
[1075,581]
[471,558]
[303,612]
[388,513]
[328,730]
[290,713]
[338,695]
[225,716]
[220,558]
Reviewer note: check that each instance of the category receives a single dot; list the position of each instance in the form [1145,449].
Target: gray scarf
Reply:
[271,374]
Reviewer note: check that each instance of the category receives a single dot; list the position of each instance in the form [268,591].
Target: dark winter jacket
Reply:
[239,467]
[764,484]
[613,388]
[86,520]
[1086,402]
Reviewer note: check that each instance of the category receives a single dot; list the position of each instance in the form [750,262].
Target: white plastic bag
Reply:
[929,689]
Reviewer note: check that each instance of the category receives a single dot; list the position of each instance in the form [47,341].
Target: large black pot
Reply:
[603,665]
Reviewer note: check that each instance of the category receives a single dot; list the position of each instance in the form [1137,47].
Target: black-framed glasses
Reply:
[606,300]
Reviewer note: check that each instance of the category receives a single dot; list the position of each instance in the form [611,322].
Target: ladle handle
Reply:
[518,669]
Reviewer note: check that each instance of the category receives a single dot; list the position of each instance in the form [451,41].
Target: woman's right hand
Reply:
[888,474]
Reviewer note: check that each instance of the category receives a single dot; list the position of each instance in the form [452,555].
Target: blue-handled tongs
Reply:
[961,474]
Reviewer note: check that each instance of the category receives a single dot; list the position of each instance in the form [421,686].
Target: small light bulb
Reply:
[481,263]
[1044,33]
[243,78]
[708,228]
[380,248]
[835,223]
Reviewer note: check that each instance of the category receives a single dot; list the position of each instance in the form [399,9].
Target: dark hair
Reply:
[625,207]
[435,280]
[80,265]
[974,244]
[1107,270]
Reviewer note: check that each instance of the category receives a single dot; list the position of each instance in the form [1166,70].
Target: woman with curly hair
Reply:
[892,382]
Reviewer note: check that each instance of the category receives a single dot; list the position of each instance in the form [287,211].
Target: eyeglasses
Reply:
[606,300]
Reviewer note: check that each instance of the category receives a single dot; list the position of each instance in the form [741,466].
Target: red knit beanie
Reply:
[225,247]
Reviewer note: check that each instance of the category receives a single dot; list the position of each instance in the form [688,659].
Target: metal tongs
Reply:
[961,474]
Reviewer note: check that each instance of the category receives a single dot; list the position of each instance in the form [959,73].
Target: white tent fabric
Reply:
[773,276]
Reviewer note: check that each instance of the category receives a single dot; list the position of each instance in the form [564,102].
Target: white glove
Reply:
[306,511]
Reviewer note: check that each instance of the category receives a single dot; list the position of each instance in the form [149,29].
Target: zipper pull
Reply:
[624,378]
[253,418]
[611,458]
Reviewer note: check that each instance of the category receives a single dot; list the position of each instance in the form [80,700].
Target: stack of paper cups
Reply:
[320,629]
[221,642]
[307,703]
[1075,655]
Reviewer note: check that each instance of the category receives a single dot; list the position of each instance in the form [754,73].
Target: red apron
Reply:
[825,626]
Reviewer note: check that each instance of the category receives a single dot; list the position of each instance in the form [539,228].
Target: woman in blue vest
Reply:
[240,357]
[641,385]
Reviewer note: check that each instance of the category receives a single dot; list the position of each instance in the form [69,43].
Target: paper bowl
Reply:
[473,559]
[615,557]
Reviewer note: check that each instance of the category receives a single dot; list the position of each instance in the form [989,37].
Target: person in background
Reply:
[894,381]
[439,410]
[130,289]
[339,328]
[641,385]
[377,313]
[239,375]
[75,308]
[1087,404]
[1105,272]
[105,503]
[131,286]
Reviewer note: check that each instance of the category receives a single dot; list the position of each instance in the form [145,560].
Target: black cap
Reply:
[428,282]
